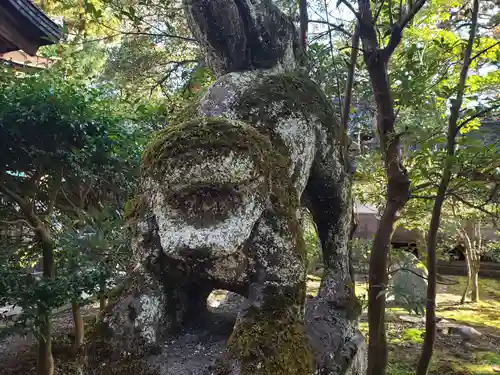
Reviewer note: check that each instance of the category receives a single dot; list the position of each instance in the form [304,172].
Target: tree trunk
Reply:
[304,23]
[79,326]
[398,185]
[377,347]
[476,260]
[474,280]
[430,315]
[475,286]
[102,296]
[469,276]
[45,361]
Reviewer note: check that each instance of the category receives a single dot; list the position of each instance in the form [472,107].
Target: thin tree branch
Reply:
[74,206]
[484,50]
[421,276]
[428,197]
[332,26]
[377,14]
[333,62]
[391,18]
[350,78]
[421,186]
[23,203]
[166,35]
[397,30]
[17,221]
[351,8]
[472,205]
[177,65]
[475,116]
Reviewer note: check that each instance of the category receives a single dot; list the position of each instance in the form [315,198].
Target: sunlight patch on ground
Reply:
[480,314]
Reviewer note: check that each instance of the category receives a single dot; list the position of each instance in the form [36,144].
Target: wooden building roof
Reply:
[23,26]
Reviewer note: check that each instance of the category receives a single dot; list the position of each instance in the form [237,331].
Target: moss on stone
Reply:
[300,95]
[179,141]
[186,113]
[268,345]
[181,144]
[135,207]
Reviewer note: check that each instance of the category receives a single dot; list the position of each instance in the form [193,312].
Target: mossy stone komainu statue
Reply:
[220,201]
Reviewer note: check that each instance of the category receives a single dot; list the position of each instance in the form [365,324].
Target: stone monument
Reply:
[219,207]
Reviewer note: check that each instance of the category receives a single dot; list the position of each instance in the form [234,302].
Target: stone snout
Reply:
[210,205]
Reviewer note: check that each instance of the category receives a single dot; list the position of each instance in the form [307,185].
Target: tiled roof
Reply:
[25,26]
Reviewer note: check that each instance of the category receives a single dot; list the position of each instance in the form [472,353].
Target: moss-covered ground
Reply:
[452,356]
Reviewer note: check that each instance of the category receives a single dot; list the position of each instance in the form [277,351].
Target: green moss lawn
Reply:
[452,356]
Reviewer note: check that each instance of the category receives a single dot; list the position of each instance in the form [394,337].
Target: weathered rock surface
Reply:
[219,209]
[194,350]
[466,333]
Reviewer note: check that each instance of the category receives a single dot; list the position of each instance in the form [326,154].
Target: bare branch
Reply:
[484,50]
[73,205]
[350,78]
[391,18]
[378,12]
[177,65]
[419,275]
[472,205]
[332,26]
[397,29]
[17,221]
[339,95]
[409,16]
[421,186]
[23,203]
[351,8]
[475,116]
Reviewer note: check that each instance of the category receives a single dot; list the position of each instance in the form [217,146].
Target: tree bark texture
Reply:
[469,277]
[475,253]
[304,22]
[430,316]
[102,296]
[475,285]
[398,183]
[45,361]
[79,326]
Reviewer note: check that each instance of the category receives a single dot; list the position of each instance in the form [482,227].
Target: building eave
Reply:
[23,26]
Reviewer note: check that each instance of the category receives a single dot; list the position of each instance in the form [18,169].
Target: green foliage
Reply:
[93,252]
[492,251]
[360,254]
[71,155]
